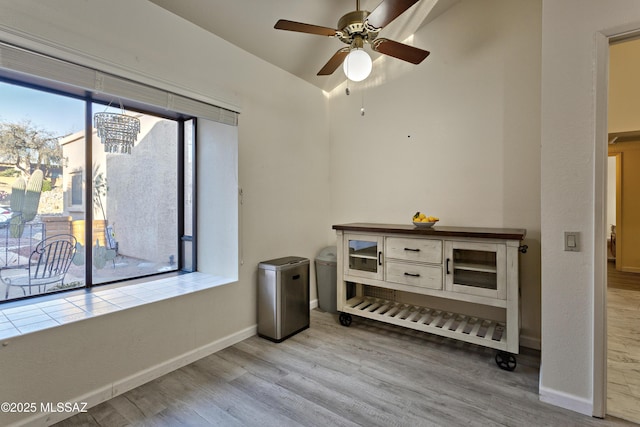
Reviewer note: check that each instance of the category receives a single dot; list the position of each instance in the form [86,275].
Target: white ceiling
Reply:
[248,24]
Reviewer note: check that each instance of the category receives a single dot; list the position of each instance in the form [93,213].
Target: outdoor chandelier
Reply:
[357,65]
[117,131]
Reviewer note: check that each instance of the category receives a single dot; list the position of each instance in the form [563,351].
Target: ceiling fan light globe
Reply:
[357,65]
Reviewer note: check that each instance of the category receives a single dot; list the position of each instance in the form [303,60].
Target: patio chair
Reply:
[48,264]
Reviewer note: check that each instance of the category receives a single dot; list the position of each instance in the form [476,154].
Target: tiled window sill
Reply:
[50,311]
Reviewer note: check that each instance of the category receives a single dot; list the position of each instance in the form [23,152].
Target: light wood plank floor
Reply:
[369,374]
[623,358]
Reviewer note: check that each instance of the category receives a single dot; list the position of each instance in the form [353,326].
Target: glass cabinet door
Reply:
[476,268]
[363,256]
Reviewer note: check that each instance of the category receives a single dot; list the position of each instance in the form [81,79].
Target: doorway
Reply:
[623,251]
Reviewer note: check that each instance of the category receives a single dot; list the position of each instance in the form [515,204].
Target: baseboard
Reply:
[630,269]
[530,342]
[566,401]
[313,304]
[109,391]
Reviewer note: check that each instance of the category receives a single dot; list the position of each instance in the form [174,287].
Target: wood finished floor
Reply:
[623,358]
[369,374]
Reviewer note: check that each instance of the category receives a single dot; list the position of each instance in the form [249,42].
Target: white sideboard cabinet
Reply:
[477,266]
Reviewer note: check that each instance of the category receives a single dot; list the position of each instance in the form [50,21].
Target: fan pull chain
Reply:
[347,91]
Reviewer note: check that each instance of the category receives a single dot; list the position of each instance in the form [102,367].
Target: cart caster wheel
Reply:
[506,361]
[345,319]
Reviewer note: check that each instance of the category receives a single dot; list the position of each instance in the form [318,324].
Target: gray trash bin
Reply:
[326,276]
[283,297]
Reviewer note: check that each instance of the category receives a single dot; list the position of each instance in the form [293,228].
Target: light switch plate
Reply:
[572,241]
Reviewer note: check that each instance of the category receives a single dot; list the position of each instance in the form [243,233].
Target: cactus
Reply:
[17,202]
[26,202]
[32,196]
[101,255]
[78,258]
[17,194]
[99,258]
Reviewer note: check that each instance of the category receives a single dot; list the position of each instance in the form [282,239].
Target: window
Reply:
[76,188]
[39,197]
[128,215]
[188,228]
[135,199]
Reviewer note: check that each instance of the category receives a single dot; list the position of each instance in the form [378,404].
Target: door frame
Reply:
[601,89]
[601,154]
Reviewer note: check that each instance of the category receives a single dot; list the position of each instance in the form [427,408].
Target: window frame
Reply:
[89,100]
[39,68]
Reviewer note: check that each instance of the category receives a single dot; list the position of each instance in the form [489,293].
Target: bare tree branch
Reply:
[22,143]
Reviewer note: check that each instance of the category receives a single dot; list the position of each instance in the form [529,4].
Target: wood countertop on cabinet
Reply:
[444,231]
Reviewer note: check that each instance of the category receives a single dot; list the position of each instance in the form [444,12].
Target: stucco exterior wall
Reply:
[142,196]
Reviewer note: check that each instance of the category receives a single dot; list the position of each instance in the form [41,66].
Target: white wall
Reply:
[457,136]
[573,176]
[283,169]
[217,164]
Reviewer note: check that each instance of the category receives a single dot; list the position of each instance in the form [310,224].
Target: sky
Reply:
[60,115]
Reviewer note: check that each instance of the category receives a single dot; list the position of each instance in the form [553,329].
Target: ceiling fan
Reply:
[359,27]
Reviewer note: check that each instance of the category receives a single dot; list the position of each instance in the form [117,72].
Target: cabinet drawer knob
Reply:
[412,250]
[412,274]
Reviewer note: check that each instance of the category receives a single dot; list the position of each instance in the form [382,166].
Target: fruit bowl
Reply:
[424,224]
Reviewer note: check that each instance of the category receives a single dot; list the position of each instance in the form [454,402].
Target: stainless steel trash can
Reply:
[326,279]
[283,297]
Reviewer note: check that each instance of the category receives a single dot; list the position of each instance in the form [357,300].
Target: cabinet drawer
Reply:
[421,250]
[424,276]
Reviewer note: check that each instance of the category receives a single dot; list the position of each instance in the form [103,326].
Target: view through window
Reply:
[43,204]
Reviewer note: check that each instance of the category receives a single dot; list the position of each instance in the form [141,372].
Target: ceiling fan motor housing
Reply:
[352,27]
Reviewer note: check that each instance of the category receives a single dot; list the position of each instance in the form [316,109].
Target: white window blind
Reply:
[33,68]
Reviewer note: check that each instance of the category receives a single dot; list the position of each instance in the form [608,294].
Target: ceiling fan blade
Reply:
[400,50]
[336,60]
[283,24]
[387,11]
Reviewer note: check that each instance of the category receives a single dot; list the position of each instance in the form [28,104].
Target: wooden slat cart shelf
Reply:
[477,266]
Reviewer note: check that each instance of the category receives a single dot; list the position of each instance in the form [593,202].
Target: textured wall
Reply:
[574,107]
[142,199]
[457,136]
